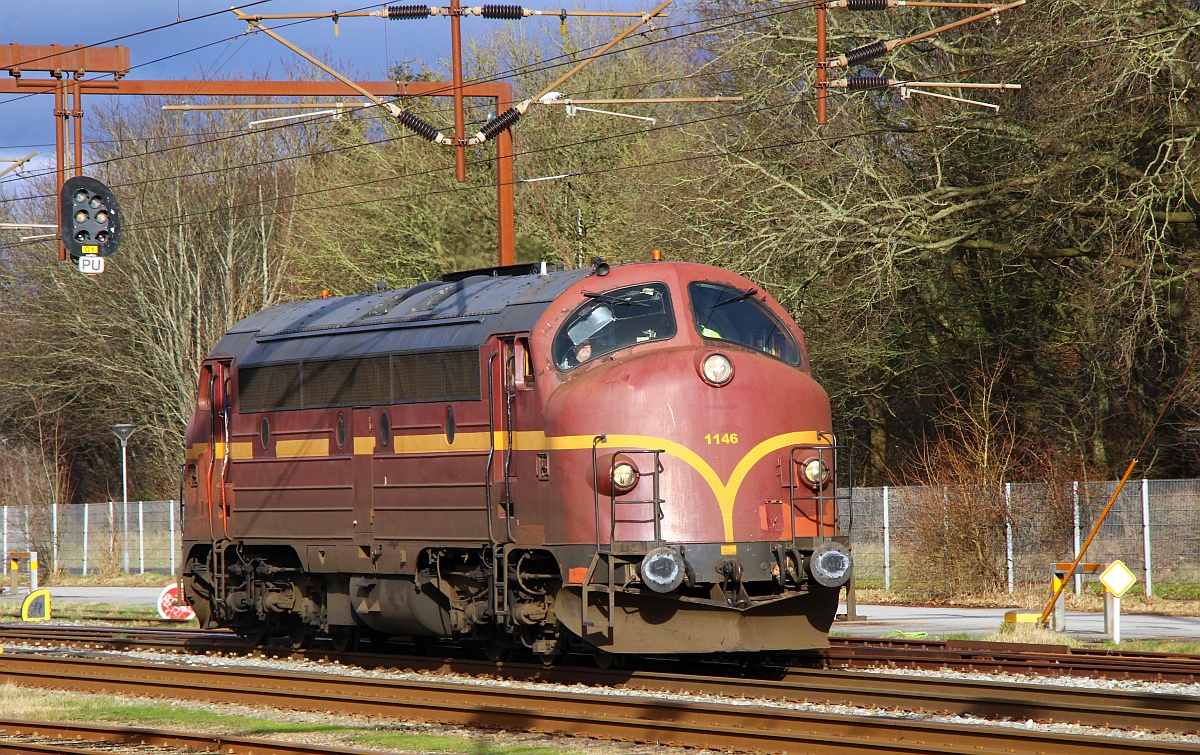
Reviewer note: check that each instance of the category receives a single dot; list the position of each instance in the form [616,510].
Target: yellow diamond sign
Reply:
[1117,578]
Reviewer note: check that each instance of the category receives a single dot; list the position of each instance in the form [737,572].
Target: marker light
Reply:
[716,369]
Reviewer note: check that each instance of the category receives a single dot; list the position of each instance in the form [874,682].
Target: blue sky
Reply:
[366,45]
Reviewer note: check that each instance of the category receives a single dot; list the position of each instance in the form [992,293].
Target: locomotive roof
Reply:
[460,311]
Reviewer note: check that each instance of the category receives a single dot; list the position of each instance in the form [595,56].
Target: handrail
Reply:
[820,496]
[509,394]
[596,487]
[487,472]
[656,500]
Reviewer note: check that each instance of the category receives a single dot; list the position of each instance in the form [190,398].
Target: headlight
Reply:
[716,369]
[624,477]
[815,472]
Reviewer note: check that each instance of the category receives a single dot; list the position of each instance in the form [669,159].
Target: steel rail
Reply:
[638,718]
[132,736]
[1087,706]
[845,653]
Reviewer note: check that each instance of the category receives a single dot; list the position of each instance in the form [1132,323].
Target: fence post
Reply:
[112,534]
[5,554]
[887,543]
[1146,534]
[1075,554]
[54,535]
[85,537]
[171,516]
[1008,544]
[141,541]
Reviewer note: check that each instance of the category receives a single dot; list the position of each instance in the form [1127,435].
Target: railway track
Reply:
[846,653]
[20,737]
[987,699]
[627,717]
[1013,658]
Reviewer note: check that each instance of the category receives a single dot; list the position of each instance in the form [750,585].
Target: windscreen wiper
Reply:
[741,297]
[626,300]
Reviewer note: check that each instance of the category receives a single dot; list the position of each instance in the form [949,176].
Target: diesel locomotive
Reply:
[623,460]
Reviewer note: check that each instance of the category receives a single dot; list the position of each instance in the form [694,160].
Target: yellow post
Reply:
[1060,605]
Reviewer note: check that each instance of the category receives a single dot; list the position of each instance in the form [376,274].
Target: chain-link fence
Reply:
[1154,527]
[96,538]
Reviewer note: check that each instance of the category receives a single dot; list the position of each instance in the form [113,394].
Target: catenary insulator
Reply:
[499,123]
[858,83]
[866,52]
[866,4]
[419,126]
[407,12]
[511,12]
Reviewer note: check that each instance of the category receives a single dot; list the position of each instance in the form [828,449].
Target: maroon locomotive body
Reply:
[632,459]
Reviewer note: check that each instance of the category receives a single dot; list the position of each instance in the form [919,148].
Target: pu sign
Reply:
[1117,578]
[171,607]
[91,264]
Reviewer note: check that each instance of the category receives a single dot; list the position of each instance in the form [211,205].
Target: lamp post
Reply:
[123,432]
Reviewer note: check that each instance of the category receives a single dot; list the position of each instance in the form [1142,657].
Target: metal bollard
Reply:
[14,567]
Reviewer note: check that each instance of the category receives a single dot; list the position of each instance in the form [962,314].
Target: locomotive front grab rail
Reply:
[655,501]
[609,554]
[832,456]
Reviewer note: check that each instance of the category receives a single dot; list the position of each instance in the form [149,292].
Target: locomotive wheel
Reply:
[344,638]
[378,642]
[498,651]
[553,658]
[606,660]
[301,635]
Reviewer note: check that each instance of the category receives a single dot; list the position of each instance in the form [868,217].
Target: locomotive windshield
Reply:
[613,320]
[728,314]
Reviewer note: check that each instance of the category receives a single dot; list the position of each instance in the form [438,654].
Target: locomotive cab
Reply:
[632,459]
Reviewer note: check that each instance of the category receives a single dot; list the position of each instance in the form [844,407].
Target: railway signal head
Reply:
[90,219]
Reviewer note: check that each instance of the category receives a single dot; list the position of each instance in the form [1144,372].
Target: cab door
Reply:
[499,461]
[215,460]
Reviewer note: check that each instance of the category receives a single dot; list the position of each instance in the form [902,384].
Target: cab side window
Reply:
[614,320]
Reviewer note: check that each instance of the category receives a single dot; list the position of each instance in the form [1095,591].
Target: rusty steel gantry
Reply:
[67,67]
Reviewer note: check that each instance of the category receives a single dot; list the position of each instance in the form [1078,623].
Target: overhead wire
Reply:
[447,90]
[160,27]
[334,150]
[619,135]
[168,221]
[776,11]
